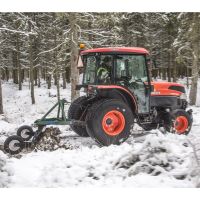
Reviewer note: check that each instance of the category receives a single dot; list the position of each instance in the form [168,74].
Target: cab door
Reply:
[131,72]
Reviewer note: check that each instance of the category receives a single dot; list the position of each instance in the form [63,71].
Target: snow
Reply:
[4,171]
[155,160]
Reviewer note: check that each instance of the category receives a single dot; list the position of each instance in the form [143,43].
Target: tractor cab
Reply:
[123,69]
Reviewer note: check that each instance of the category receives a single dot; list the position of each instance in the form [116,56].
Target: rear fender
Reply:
[118,92]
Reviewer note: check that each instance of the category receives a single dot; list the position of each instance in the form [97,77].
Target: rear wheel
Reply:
[76,111]
[181,122]
[109,121]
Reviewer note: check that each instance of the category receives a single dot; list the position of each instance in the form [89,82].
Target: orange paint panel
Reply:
[162,89]
[113,123]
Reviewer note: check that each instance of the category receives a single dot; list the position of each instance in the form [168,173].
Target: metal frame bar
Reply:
[61,117]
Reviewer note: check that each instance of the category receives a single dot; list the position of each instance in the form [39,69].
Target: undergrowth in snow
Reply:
[159,154]
[155,160]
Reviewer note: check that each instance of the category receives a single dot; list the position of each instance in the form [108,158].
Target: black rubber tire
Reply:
[75,111]
[173,115]
[95,116]
[25,132]
[16,139]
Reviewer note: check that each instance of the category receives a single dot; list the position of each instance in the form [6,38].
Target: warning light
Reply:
[82,46]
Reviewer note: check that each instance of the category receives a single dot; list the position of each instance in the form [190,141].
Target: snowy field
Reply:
[155,160]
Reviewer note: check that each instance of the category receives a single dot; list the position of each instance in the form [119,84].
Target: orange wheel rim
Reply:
[113,123]
[181,124]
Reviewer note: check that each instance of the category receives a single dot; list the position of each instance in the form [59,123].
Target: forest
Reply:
[39,65]
[37,47]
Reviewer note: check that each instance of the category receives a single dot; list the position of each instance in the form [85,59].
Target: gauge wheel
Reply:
[13,145]
[25,132]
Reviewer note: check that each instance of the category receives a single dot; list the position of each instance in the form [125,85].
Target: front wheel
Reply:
[109,121]
[181,122]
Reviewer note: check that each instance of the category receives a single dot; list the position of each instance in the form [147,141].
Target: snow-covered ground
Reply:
[155,160]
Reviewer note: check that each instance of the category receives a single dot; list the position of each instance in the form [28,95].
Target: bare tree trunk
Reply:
[159,73]
[43,73]
[57,69]
[18,62]
[7,73]
[169,68]
[15,70]
[195,69]
[1,98]
[57,83]
[64,79]
[55,78]
[23,75]
[163,73]
[74,55]
[67,71]
[48,81]
[68,74]
[39,74]
[187,74]
[31,70]
[193,89]
[35,75]
[174,75]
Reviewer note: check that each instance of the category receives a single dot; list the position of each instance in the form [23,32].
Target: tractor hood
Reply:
[167,89]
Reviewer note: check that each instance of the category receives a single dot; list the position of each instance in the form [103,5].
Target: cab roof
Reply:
[138,50]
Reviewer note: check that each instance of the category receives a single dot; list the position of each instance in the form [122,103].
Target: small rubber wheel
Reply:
[77,111]
[181,122]
[25,132]
[109,121]
[13,145]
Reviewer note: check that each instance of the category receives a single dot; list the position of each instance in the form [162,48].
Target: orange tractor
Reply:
[119,93]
